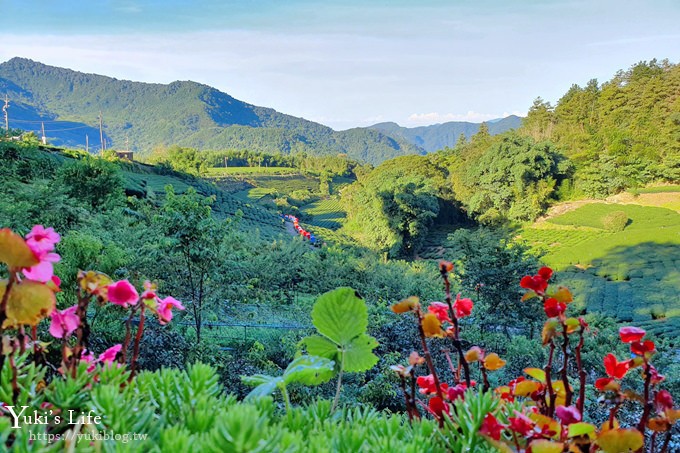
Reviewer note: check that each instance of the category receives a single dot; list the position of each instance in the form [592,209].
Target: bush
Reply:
[615,221]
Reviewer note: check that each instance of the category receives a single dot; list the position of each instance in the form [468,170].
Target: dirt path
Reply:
[290,229]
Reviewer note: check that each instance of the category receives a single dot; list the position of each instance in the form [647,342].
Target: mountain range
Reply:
[144,115]
[438,136]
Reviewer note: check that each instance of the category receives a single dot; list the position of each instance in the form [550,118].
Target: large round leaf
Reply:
[620,440]
[29,302]
[321,347]
[359,355]
[340,315]
[309,370]
[13,250]
[265,385]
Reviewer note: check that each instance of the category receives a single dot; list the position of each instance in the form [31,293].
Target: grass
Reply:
[326,213]
[633,275]
[231,171]
[659,189]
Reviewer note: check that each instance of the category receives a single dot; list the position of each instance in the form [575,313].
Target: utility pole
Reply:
[44,139]
[127,143]
[87,144]
[4,109]
[101,131]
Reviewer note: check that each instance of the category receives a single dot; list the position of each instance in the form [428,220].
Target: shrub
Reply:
[615,221]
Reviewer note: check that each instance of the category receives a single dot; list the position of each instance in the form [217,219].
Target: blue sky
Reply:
[352,63]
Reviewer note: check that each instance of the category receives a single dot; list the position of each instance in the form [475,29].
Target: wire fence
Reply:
[231,336]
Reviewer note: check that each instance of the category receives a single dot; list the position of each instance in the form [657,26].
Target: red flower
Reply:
[553,308]
[663,401]
[463,307]
[642,347]
[631,334]
[568,414]
[426,384]
[440,310]
[545,273]
[521,424]
[656,377]
[491,427]
[614,368]
[437,406]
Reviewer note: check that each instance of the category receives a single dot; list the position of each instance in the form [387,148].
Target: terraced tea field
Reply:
[326,213]
[145,182]
[632,274]
[236,171]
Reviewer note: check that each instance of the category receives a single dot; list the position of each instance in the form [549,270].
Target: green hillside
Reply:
[185,113]
[632,274]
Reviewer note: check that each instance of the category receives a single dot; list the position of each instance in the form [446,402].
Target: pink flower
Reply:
[110,354]
[64,322]
[41,239]
[165,309]
[568,414]
[44,270]
[122,293]
[88,358]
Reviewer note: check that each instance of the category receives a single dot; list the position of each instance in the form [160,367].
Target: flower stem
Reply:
[339,384]
[138,339]
[548,381]
[569,394]
[456,327]
[426,354]
[581,373]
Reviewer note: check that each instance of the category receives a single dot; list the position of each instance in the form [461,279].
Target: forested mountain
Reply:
[440,136]
[184,113]
[622,133]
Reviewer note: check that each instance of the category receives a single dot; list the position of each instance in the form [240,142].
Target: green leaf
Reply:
[309,370]
[340,315]
[321,346]
[359,355]
[580,429]
[265,385]
[536,373]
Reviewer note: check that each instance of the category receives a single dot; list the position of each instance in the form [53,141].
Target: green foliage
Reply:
[615,221]
[620,134]
[392,208]
[187,160]
[306,370]
[492,264]
[461,430]
[514,180]
[341,317]
[93,181]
